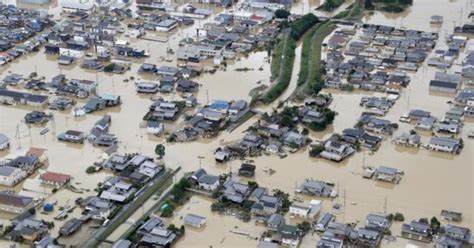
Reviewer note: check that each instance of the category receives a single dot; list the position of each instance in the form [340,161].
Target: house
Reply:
[167,71]
[186,86]
[237,106]
[77,6]
[70,227]
[122,243]
[290,235]
[444,86]
[368,238]
[149,168]
[208,182]
[306,212]
[417,231]
[377,222]
[29,229]
[10,176]
[425,123]
[329,242]
[221,156]
[314,187]
[462,234]
[147,87]
[54,178]
[148,68]
[119,192]
[26,163]
[15,203]
[98,209]
[247,170]
[40,153]
[166,25]
[72,136]
[444,144]
[154,127]
[293,139]
[275,221]
[36,117]
[194,220]
[4,142]
[387,174]
[298,211]
[235,191]
[408,139]
[155,234]
[219,106]
[266,205]
[336,150]
[323,221]
[417,114]
[451,215]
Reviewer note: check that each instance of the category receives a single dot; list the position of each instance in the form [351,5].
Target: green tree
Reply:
[435,224]
[369,5]
[160,150]
[282,14]
[304,226]
[398,217]
[316,150]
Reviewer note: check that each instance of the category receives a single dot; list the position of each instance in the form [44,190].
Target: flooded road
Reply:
[432,182]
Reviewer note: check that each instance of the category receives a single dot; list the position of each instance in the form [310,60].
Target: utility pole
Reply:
[344,210]
[385,206]
[200,160]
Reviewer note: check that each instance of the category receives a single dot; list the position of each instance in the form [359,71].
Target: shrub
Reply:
[316,150]
[91,169]
[398,217]
[282,14]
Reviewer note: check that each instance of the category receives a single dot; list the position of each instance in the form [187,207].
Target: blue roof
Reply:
[219,104]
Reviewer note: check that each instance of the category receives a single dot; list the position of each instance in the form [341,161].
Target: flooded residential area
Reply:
[306,123]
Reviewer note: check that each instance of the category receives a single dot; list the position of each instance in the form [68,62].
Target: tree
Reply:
[304,226]
[398,217]
[91,169]
[305,131]
[160,150]
[316,150]
[32,211]
[423,220]
[252,184]
[282,14]
[369,5]
[435,224]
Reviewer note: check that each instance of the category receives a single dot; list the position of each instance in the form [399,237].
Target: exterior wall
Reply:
[13,209]
[13,179]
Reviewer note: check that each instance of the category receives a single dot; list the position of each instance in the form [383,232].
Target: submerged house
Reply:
[316,188]
[445,144]
[387,174]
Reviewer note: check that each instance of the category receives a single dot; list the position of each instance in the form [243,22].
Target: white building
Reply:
[154,127]
[10,176]
[77,5]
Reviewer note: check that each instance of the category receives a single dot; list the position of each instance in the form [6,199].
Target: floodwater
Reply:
[432,181]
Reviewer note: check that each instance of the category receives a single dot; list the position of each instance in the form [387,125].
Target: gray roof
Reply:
[194,220]
[208,179]
[444,141]
[3,138]
[386,170]
[6,171]
[122,243]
